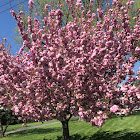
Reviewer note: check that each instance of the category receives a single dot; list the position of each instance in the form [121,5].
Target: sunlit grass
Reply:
[17,126]
[127,128]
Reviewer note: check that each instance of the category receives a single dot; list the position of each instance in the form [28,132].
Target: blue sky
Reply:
[7,24]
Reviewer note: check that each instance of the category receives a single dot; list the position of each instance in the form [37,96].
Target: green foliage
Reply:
[5,116]
[136,83]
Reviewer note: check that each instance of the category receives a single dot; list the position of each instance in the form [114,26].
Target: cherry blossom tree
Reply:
[5,65]
[75,69]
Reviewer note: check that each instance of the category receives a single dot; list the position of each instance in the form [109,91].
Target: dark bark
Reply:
[2,134]
[6,127]
[1,126]
[65,129]
[3,130]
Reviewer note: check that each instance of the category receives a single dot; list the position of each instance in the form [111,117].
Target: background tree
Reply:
[6,117]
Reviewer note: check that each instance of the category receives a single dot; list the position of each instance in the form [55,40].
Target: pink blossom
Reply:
[97,121]
[137,50]
[20,118]
[16,109]
[58,12]
[21,12]
[114,108]
[124,88]
[99,112]
[138,95]
[138,72]
[47,6]
[124,111]
[100,13]
[105,116]
[24,124]
[31,3]
[109,43]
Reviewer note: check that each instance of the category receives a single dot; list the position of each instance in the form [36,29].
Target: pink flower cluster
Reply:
[114,108]
[31,3]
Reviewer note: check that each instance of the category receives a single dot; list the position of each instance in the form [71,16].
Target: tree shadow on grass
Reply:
[100,135]
[37,131]
[119,135]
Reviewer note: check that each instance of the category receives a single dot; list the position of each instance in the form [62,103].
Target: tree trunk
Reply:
[2,134]
[3,130]
[65,128]
[1,126]
[6,128]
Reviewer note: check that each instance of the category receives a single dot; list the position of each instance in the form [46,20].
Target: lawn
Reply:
[17,126]
[127,128]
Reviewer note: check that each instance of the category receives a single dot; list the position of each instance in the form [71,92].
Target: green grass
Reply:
[17,126]
[127,128]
